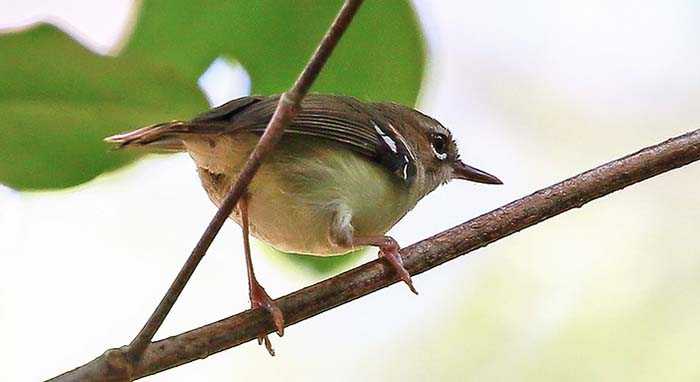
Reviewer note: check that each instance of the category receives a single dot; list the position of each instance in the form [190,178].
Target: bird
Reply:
[344,172]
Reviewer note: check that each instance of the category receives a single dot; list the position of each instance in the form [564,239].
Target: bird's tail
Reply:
[161,137]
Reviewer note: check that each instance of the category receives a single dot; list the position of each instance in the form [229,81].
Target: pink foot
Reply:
[260,299]
[389,250]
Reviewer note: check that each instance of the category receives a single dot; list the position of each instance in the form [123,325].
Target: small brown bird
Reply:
[343,174]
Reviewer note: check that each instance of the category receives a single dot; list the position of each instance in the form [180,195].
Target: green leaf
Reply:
[312,265]
[58,100]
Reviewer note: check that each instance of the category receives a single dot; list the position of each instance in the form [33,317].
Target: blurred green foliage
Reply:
[314,265]
[58,99]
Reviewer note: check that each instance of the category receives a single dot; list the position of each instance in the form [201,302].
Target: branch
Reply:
[418,258]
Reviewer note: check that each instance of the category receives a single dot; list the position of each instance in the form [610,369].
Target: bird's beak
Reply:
[466,172]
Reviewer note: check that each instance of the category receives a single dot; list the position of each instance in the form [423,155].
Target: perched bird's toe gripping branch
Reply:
[389,250]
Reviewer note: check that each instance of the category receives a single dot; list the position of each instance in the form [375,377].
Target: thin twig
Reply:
[285,111]
[420,257]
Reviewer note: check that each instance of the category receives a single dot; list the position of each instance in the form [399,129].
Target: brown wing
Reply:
[358,126]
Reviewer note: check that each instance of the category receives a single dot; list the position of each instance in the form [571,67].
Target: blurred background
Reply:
[534,92]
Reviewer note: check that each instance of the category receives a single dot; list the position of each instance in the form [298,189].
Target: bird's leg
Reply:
[258,297]
[389,250]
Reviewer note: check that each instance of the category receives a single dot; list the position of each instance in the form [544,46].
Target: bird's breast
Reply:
[300,187]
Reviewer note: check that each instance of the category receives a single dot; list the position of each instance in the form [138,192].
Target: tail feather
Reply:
[161,136]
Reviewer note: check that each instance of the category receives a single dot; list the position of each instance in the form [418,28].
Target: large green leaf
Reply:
[58,100]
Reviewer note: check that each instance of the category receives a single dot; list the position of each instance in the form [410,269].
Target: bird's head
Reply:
[435,149]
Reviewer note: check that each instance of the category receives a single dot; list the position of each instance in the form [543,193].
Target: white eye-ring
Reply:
[439,144]
[442,156]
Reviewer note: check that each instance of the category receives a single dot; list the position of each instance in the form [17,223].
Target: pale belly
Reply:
[297,192]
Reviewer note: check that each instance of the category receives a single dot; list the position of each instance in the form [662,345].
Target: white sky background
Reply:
[534,92]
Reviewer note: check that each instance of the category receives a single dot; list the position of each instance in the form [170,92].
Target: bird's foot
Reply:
[260,299]
[389,250]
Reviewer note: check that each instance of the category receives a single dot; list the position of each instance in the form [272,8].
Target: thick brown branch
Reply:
[285,111]
[420,257]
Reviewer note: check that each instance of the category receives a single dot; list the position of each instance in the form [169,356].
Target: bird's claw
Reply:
[392,255]
[260,299]
[268,345]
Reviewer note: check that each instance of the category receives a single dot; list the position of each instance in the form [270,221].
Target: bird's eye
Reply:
[439,143]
